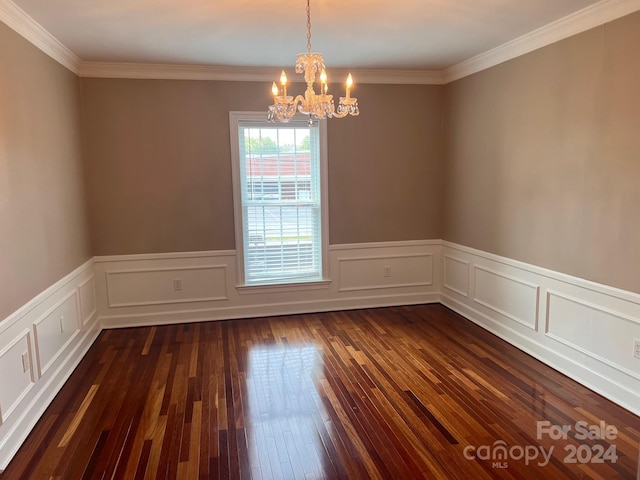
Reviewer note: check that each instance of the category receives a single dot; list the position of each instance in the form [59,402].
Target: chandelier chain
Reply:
[308,26]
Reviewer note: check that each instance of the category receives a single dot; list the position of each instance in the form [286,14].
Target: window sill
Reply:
[283,287]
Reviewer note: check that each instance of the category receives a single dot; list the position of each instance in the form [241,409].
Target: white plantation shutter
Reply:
[280,196]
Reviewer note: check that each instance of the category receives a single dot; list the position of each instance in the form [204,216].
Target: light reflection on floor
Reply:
[283,408]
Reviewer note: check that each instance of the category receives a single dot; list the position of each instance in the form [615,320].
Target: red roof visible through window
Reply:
[287,164]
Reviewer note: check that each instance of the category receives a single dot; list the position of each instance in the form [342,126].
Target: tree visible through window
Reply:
[280,201]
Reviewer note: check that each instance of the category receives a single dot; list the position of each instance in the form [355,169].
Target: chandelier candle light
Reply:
[316,106]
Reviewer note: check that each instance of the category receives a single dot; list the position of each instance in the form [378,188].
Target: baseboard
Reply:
[266,310]
[41,344]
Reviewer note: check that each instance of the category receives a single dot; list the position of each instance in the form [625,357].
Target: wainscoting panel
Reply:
[17,373]
[157,286]
[594,331]
[583,329]
[508,296]
[139,289]
[40,346]
[391,271]
[456,275]
[55,329]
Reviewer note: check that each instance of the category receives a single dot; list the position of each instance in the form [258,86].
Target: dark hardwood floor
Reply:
[392,393]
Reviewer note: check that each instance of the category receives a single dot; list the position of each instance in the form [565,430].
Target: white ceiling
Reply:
[375,34]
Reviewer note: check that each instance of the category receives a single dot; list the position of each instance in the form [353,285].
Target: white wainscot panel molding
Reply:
[135,290]
[157,286]
[385,271]
[602,334]
[41,344]
[509,296]
[16,373]
[55,330]
[456,275]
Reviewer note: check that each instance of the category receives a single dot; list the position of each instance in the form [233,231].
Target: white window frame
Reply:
[234,119]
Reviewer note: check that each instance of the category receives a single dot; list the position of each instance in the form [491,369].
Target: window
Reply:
[279,175]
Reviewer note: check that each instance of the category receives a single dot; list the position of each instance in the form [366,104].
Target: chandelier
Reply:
[317,106]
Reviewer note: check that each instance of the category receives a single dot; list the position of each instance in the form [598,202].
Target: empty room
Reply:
[318,239]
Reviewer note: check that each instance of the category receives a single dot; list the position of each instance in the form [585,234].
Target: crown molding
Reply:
[246,74]
[395,77]
[16,19]
[176,72]
[590,17]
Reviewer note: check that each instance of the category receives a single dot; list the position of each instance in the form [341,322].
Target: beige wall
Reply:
[385,166]
[43,229]
[159,166]
[543,157]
